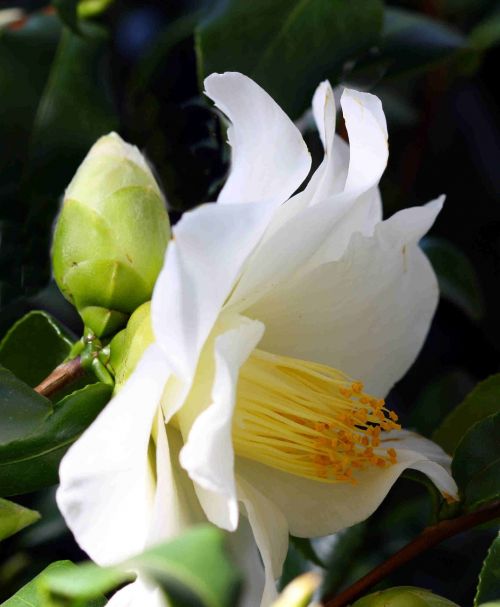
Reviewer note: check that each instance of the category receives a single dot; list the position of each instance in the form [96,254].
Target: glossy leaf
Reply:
[14,517]
[32,461]
[21,409]
[193,570]
[284,42]
[437,399]
[31,594]
[484,400]
[34,346]
[23,74]
[74,110]
[412,41]
[458,281]
[488,588]
[476,464]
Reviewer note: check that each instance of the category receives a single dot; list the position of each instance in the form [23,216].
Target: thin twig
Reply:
[61,376]
[427,539]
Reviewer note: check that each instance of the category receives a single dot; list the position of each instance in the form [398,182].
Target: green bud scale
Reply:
[111,235]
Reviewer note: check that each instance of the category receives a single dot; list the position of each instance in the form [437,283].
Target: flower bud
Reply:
[299,592]
[111,235]
[404,596]
[129,345]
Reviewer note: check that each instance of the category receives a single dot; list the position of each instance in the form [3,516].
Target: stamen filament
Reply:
[308,419]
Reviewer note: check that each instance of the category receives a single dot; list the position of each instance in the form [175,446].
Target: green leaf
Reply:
[458,281]
[344,549]
[34,346]
[488,588]
[14,517]
[487,33]
[32,462]
[193,570]
[92,8]
[23,73]
[21,409]
[437,400]
[31,596]
[476,464]
[484,400]
[412,41]
[283,42]
[67,11]
[75,109]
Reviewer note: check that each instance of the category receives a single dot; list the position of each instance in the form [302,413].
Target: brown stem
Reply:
[427,539]
[61,376]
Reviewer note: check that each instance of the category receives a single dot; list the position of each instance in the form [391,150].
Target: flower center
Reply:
[308,419]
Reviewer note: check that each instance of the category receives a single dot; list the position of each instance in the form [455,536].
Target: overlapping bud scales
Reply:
[111,235]
[129,345]
[309,419]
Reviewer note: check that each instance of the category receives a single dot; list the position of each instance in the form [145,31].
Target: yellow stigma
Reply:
[309,419]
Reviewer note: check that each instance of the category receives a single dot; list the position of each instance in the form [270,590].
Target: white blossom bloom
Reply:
[281,321]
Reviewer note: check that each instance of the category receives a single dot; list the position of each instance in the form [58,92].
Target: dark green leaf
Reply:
[487,33]
[458,281]
[412,41]
[21,409]
[476,464]
[305,547]
[14,517]
[23,74]
[74,110]
[193,571]
[31,462]
[31,595]
[284,42]
[484,400]
[436,401]
[34,346]
[67,10]
[488,588]
[342,555]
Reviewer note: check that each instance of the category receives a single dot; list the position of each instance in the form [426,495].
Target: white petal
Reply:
[367,129]
[269,157]
[435,463]
[367,314]
[208,453]
[245,554]
[314,508]
[138,594]
[270,530]
[201,268]
[176,506]
[106,490]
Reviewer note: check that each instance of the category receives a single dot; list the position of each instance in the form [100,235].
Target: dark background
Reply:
[139,76]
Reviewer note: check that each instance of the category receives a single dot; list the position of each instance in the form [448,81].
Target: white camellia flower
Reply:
[280,322]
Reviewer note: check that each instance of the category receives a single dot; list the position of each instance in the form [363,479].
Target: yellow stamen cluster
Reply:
[309,419]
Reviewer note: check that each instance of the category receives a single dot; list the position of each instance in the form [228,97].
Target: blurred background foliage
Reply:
[72,71]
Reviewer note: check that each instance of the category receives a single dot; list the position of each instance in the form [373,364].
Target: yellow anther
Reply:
[393,416]
[357,387]
[300,417]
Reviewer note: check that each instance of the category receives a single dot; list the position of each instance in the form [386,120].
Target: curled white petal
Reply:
[269,157]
